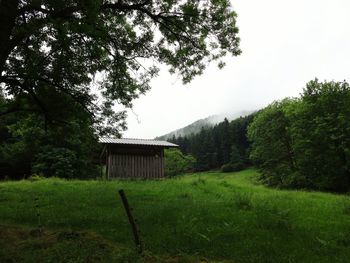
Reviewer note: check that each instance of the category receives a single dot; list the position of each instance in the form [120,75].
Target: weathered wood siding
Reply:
[135,165]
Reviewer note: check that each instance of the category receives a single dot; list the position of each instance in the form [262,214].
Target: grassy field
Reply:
[221,217]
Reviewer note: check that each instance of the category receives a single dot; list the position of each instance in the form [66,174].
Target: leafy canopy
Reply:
[78,49]
[305,142]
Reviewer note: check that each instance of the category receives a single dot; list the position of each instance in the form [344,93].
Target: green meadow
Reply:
[211,216]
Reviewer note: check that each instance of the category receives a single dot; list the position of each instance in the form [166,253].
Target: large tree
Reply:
[305,142]
[54,47]
[271,143]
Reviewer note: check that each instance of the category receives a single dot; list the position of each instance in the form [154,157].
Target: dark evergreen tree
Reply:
[218,145]
[226,141]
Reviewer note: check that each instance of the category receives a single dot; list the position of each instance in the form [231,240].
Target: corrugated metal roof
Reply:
[137,142]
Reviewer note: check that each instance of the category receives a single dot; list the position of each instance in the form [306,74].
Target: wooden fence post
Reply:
[132,221]
[38,214]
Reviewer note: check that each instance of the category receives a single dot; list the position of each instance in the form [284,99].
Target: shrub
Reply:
[229,167]
[176,162]
[226,168]
[237,167]
[58,162]
[35,177]
[296,180]
[62,162]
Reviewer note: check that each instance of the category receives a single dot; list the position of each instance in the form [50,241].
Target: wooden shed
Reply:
[134,158]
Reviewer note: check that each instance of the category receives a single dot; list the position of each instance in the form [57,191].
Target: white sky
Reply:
[285,44]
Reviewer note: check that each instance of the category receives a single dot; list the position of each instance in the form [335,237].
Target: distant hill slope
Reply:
[196,126]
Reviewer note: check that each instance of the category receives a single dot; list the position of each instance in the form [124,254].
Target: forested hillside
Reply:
[205,123]
[221,144]
[192,128]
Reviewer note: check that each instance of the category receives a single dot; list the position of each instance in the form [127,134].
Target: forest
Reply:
[299,143]
[296,143]
[224,143]
[53,110]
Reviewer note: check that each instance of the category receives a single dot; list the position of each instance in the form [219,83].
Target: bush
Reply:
[226,168]
[229,167]
[237,167]
[57,162]
[63,163]
[176,162]
[35,177]
[296,180]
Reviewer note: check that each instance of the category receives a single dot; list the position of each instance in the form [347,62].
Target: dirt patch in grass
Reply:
[21,244]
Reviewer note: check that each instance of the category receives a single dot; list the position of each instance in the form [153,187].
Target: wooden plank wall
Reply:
[135,166]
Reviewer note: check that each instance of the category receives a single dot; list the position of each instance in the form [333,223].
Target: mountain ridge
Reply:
[207,122]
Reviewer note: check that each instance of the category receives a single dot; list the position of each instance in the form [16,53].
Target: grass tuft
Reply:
[272,217]
[243,201]
[346,207]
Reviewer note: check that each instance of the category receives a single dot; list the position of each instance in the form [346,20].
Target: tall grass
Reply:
[215,215]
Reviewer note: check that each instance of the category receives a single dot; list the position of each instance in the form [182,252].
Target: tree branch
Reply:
[15,109]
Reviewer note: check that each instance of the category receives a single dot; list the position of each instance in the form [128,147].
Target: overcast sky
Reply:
[285,44]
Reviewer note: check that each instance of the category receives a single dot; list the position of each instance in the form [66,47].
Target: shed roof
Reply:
[143,142]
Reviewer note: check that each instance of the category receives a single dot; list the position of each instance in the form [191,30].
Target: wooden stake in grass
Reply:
[132,221]
[38,214]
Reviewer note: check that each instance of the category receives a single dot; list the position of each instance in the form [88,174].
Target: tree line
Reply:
[305,142]
[226,143]
[295,143]
[299,143]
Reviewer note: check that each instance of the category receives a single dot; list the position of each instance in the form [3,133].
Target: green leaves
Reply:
[65,65]
[177,163]
[65,44]
[303,142]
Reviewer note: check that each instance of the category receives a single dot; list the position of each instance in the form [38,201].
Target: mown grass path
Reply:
[215,215]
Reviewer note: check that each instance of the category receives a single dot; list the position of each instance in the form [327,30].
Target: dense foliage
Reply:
[30,144]
[177,163]
[65,65]
[305,142]
[64,47]
[225,143]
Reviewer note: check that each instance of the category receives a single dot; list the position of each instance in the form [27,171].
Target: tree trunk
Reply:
[8,14]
